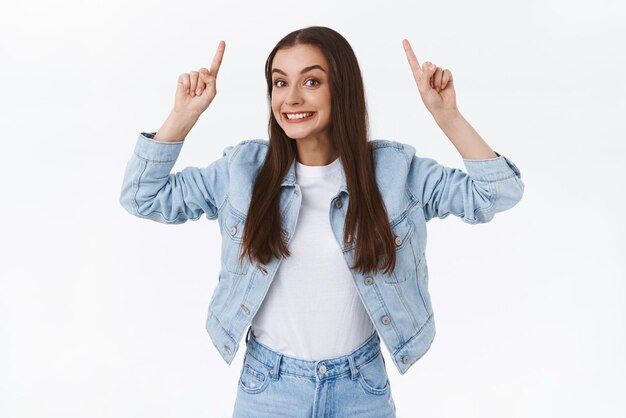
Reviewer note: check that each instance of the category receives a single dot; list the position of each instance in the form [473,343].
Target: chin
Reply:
[298,136]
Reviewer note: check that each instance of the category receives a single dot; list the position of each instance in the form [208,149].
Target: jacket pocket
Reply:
[233,228]
[406,257]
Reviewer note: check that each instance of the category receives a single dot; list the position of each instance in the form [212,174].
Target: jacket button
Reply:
[398,240]
[368,280]
[233,230]
[245,309]
[227,348]
[338,203]
[405,359]
[385,320]
[296,193]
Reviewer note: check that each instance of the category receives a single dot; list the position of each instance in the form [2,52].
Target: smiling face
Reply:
[300,79]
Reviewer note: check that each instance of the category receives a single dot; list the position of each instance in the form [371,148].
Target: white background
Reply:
[102,313]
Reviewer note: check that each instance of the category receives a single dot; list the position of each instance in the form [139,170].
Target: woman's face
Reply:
[300,79]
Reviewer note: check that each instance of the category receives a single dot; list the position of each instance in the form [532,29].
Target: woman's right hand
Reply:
[196,90]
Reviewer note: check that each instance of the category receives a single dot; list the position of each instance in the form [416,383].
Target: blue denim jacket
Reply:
[414,190]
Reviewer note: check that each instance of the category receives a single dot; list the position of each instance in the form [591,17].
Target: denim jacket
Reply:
[414,190]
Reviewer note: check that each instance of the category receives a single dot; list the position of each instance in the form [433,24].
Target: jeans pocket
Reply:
[254,377]
[373,376]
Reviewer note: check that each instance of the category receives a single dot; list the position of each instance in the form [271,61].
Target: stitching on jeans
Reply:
[369,360]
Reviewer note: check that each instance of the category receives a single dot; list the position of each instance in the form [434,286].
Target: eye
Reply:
[314,80]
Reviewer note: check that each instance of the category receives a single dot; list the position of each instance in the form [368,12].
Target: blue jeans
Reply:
[274,385]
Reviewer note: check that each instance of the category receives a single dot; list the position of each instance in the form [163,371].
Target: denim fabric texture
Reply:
[355,385]
[414,190]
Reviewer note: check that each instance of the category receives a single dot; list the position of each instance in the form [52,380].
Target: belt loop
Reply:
[354,372]
[248,333]
[275,372]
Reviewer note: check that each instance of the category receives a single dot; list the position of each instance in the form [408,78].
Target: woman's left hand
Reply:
[434,84]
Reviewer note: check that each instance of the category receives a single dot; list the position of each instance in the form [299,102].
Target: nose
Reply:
[293,96]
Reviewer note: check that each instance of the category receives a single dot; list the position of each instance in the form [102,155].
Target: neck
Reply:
[315,151]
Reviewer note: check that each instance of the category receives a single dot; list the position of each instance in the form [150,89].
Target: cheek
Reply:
[275,108]
[326,103]
[277,97]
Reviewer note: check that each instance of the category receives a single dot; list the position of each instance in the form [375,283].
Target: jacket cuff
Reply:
[491,169]
[148,149]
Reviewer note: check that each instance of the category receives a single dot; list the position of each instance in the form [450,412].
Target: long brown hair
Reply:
[263,236]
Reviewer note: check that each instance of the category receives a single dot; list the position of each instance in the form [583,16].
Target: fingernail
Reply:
[198,92]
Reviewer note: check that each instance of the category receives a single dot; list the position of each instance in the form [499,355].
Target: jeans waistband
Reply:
[321,369]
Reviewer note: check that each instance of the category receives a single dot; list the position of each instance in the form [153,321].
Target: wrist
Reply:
[176,126]
[184,115]
[447,117]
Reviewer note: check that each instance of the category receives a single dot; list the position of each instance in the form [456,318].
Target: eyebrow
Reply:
[304,70]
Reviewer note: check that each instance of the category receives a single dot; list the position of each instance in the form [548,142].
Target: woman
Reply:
[344,217]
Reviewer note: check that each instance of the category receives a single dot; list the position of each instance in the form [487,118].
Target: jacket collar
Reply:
[290,177]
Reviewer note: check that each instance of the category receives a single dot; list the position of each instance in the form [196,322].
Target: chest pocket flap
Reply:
[232,245]
[406,258]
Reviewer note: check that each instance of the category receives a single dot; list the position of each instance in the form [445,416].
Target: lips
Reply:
[300,119]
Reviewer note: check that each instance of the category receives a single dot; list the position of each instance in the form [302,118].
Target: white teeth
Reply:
[299,115]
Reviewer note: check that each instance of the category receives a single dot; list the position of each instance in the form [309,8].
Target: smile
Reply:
[299,117]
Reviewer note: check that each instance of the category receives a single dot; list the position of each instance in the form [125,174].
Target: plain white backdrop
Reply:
[102,313]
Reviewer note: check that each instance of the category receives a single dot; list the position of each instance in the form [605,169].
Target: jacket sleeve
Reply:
[150,191]
[489,186]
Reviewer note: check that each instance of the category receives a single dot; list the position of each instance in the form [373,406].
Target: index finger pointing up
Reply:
[217,59]
[413,62]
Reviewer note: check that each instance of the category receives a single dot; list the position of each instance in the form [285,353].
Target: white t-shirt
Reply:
[312,310]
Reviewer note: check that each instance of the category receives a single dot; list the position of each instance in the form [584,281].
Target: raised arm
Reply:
[492,182]
[488,186]
[149,190]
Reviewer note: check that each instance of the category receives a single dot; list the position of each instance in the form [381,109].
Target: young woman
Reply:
[323,230]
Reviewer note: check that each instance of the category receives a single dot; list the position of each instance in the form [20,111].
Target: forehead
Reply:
[294,58]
